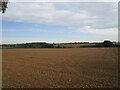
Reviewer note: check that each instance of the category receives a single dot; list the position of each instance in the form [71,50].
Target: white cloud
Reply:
[64,0]
[111,31]
[97,15]
[97,18]
[87,27]
[19,40]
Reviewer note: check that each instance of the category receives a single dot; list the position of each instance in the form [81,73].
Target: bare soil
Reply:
[60,68]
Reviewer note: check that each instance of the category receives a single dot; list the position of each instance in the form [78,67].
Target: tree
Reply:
[3,5]
[107,43]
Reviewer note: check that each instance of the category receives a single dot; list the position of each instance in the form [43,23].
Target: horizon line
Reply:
[57,42]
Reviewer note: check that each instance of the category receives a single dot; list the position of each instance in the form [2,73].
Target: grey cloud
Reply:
[97,15]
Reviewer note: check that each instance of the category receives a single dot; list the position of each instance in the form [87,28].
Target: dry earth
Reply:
[60,68]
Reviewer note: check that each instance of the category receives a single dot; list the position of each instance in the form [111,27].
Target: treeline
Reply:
[29,45]
[60,45]
[75,43]
[104,44]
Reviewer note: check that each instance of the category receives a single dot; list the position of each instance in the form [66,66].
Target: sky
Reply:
[59,22]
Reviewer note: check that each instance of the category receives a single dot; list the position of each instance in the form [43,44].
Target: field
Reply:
[60,68]
[74,45]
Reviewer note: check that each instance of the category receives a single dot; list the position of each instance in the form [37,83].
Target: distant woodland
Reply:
[60,45]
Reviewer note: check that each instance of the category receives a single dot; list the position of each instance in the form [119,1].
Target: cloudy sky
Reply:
[60,22]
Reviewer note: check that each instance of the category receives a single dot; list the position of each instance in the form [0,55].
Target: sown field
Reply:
[60,68]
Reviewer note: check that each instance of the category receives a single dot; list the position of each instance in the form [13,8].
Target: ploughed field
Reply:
[60,68]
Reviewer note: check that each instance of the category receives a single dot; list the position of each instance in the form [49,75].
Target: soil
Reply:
[60,68]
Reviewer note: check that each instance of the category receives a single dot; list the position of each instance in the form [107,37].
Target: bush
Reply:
[107,43]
